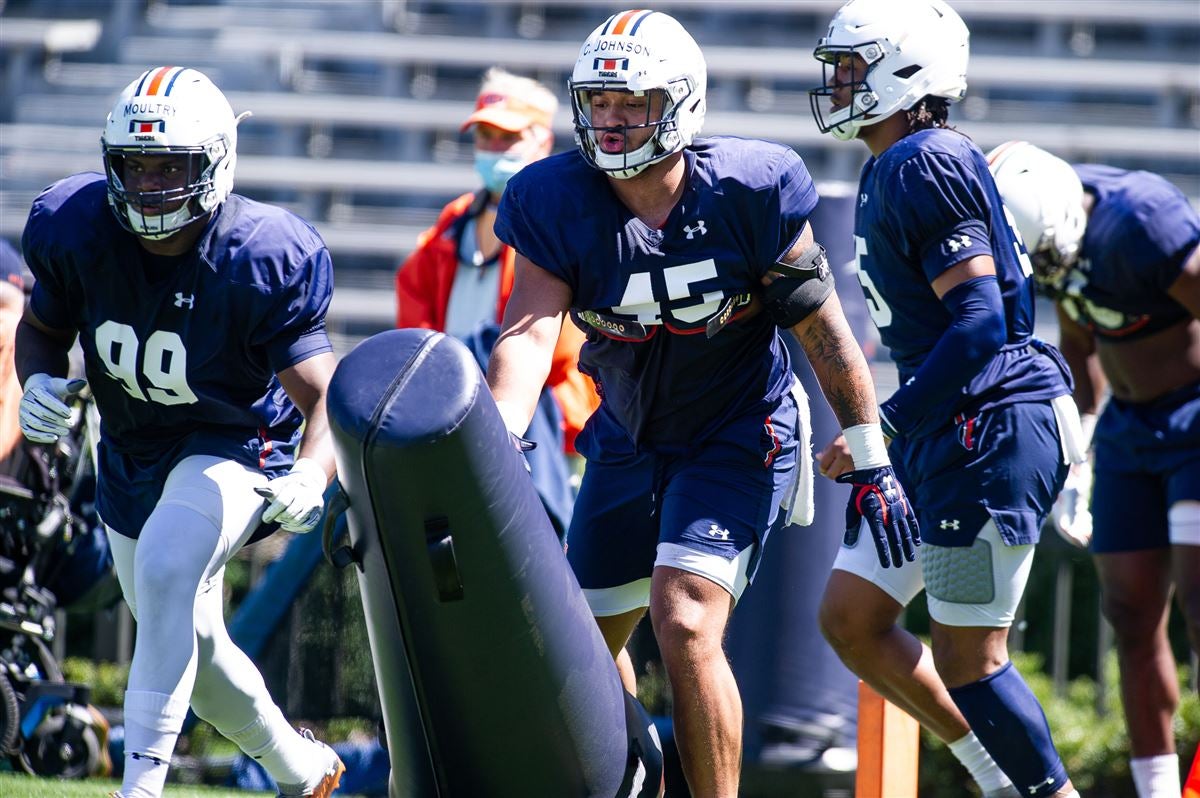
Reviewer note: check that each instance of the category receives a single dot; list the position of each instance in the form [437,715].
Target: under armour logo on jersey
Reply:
[862,199]
[717,532]
[949,524]
[699,228]
[955,243]
[181,300]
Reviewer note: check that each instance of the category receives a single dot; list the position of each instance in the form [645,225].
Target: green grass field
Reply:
[14,785]
[18,785]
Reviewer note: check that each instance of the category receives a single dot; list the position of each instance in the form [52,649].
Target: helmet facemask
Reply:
[1052,260]
[662,119]
[911,49]
[170,111]
[843,123]
[646,54]
[196,198]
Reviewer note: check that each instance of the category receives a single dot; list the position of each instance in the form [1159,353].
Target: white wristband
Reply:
[1087,424]
[866,446]
[509,414]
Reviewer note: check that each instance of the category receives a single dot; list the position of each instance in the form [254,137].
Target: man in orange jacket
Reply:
[12,303]
[460,274]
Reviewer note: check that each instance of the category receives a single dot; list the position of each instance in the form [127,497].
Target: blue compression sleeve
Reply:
[973,338]
[1007,718]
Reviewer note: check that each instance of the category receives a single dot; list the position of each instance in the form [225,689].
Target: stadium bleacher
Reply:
[357,102]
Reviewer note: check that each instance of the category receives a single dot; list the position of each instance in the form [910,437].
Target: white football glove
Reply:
[297,497]
[1070,514]
[44,415]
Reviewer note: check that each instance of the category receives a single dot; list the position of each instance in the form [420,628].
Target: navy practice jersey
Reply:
[1139,234]
[927,203]
[176,349]
[744,205]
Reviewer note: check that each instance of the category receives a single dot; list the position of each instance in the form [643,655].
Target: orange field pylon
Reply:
[1191,788]
[889,741]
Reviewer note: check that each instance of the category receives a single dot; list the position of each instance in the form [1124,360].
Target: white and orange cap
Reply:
[512,103]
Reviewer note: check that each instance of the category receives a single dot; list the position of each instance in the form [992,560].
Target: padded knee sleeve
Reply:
[1006,717]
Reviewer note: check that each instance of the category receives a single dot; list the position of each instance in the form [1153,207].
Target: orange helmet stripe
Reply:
[999,151]
[624,21]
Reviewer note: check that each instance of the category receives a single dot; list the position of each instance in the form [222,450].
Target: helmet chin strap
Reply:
[843,132]
[156,228]
[614,164]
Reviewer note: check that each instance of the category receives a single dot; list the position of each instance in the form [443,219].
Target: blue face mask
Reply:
[496,168]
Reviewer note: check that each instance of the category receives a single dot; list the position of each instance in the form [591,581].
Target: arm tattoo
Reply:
[840,367]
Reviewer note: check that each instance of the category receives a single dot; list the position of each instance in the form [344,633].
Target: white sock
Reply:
[979,763]
[152,724]
[144,777]
[279,748]
[1156,776]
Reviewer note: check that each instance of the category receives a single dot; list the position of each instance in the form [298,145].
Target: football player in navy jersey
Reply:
[982,427]
[656,243]
[1119,252]
[201,316]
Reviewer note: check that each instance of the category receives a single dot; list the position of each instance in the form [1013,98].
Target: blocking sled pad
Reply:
[493,678]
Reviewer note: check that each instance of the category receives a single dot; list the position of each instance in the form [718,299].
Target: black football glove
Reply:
[878,498]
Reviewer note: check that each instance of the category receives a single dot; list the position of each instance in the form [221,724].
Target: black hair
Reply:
[929,112]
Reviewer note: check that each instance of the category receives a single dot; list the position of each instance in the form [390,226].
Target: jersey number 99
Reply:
[164,363]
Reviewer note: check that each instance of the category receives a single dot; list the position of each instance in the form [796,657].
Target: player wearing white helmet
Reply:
[1046,199]
[201,318]
[913,54]
[657,243]
[189,118]
[656,61]
[949,288]
[1119,252]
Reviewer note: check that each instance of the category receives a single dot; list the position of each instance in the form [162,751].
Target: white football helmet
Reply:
[912,48]
[640,52]
[1045,197]
[170,111]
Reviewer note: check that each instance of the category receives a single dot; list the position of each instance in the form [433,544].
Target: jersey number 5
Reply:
[164,363]
[881,314]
